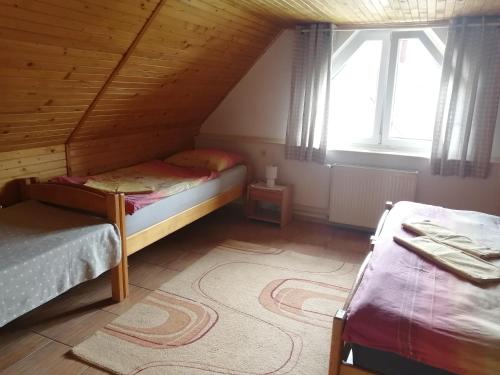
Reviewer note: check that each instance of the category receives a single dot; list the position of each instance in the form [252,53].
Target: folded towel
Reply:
[448,237]
[452,259]
[119,187]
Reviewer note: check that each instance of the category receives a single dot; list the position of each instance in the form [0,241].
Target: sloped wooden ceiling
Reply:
[60,83]
[101,84]
[185,63]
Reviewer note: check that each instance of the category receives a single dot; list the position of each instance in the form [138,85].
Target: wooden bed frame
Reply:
[337,365]
[111,206]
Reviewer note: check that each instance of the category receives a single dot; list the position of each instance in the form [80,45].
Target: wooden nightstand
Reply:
[279,196]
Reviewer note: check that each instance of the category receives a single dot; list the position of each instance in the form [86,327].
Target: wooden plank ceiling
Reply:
[373,11]
[182,67]
[57,55]
[102,79]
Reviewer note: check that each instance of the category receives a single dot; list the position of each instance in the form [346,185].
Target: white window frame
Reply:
[380,138]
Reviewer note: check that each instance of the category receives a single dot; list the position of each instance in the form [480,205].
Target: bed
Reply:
[407,315]
[142,224]
[46,250]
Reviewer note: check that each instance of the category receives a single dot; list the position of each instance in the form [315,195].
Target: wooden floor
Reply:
[39,342]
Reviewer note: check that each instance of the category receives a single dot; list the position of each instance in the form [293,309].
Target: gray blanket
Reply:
[46,250]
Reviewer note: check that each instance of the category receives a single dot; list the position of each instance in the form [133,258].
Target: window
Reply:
[384,89]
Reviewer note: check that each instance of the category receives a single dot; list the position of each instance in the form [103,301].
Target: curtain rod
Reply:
[384,27]
[434,25]
[413,25]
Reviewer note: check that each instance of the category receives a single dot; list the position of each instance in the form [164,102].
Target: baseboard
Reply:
[301,212]
[308,213]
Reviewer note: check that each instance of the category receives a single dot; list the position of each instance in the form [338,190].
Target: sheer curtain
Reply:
[468,98]
[306,135]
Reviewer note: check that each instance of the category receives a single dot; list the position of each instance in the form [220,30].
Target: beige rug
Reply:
[241,309]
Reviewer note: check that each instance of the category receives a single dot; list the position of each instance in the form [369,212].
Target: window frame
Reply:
[380,138]
[340,58]
[395,37]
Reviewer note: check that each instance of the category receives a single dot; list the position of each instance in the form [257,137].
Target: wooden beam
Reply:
[67,152]
[115,72]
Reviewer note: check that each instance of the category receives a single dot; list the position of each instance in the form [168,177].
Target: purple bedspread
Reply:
[409,306]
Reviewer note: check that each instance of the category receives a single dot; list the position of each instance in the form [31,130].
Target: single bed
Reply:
[46,250]
[407,315]
[146,223]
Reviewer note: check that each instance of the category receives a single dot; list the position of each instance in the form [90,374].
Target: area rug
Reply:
[241,309]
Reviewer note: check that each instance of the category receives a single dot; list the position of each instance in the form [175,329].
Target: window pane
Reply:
[416,90]
[354,95]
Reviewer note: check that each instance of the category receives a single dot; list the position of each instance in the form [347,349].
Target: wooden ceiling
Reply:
[82,70]
[188,58]
[372,11]
[62,74]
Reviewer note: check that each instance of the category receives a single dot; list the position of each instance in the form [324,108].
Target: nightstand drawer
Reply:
[265,195]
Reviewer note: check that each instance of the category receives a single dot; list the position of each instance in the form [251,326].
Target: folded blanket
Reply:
[452,259]
[120,187]
[450,238]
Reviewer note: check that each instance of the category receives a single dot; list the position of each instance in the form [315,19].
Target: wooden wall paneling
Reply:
[107,14]
[130,49]
[95,156]
[189,58]
[135,72]
[55,58]
[41,162]
[174,85]
[213,14]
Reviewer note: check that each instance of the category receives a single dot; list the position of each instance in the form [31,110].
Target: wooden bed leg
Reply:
[115,206]
[123,235]
[124,270]
[119,281]
[117,285]
[337,345]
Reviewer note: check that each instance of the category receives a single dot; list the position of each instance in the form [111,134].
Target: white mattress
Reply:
[174,204]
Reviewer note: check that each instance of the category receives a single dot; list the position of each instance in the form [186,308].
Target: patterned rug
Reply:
[242,309]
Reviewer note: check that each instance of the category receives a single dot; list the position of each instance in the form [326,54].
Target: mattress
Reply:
[174,204]
[46,250]
[408,306]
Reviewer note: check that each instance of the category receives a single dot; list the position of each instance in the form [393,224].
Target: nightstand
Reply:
[271,204]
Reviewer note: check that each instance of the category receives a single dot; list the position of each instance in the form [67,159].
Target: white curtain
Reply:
[468,99]
[307,128]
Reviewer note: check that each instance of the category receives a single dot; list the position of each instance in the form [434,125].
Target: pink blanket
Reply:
[158,178]
[409,306]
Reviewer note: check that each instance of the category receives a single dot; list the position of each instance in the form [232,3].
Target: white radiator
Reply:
[358,194]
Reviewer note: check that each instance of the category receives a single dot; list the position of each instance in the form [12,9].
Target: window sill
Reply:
[382,150]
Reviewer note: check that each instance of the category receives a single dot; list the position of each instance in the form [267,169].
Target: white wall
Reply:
[258,104]
[252,120]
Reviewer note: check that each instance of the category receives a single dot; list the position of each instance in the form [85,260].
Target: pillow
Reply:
[215,160]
